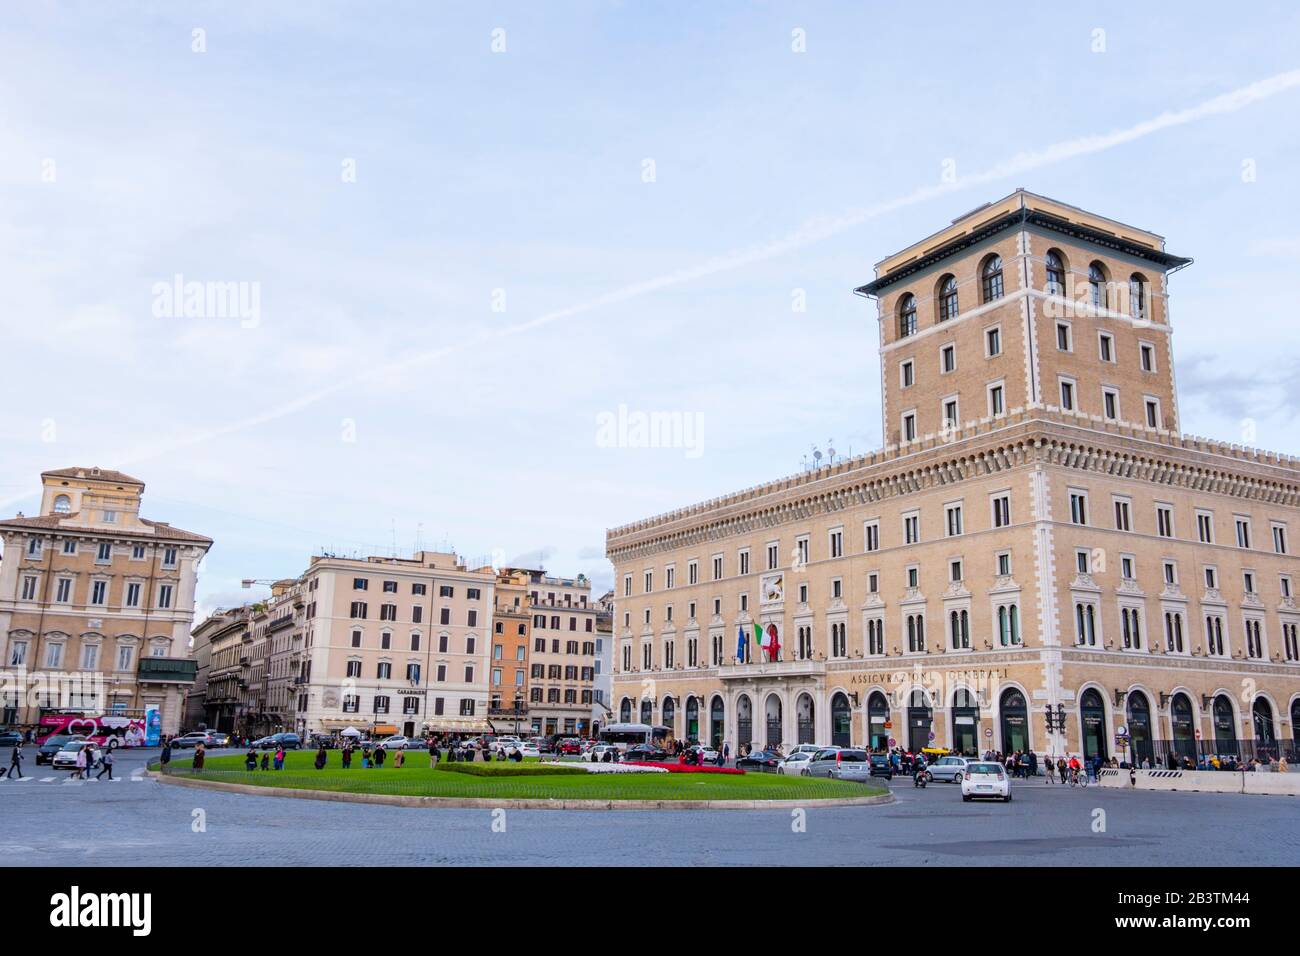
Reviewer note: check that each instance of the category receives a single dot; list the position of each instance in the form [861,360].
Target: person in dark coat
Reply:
[250,760]
[166,756]
[321,757]
[15,768]
[347,756]
[199,755]
[266,760]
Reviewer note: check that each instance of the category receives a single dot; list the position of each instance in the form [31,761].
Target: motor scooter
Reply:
[920,777]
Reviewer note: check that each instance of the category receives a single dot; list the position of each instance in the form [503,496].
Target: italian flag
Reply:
[760,639]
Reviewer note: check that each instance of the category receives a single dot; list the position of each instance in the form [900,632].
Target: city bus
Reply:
[106,730]
[624,736]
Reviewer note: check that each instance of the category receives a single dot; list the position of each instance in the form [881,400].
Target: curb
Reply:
[487,803]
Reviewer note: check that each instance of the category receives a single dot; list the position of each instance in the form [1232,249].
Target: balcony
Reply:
[167,670]
[773,669]
[508,711]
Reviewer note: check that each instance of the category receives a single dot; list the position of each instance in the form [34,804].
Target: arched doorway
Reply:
[1183,726]
[717,728]
[965,723]
[920,718]
[1013,714]
[1092,723]
[1265,732]
[670,716]
[1141,745]
[647,711]
[692,718]
[772,711]
[877,721]
[803,709]
[1225,726]
[744,721]
[841,721]
[625,711]
[1295,723]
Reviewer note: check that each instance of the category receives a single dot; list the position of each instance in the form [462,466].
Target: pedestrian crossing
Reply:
[69,781]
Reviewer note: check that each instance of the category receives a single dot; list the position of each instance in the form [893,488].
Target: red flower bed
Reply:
[681,767]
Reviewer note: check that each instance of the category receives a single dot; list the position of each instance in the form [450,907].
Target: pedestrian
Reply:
[199,754]
[266,760]
[16,763]
[106,764]
[1049,771]
[379,756]
[434,755]
[1033,764]
[347,756]
[82,758]
[250,759]
[165,757]
[321,757]
[399,758]
[1060,770]
[279,758]
[726,752]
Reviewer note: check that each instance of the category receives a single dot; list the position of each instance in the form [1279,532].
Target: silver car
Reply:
[949,769]
[840,764]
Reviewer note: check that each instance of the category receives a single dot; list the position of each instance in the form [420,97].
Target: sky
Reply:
[466,241]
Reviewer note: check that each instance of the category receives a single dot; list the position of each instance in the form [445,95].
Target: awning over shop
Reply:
[453,725]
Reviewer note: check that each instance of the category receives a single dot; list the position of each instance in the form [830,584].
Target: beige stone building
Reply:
[394,645]
[1037,558]
[217,646]
[96,603]
[562,659]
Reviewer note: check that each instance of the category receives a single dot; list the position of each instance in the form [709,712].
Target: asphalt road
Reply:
[49,821]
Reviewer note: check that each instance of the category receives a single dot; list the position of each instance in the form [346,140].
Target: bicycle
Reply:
[1078,778]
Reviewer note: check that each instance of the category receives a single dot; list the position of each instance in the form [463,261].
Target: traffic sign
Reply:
[893,742]
[988,731]
[1198,733]
[932,735]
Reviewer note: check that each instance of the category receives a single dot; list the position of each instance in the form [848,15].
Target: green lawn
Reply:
[417,778]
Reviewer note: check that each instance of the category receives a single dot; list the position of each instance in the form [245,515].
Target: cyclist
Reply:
[1075,767]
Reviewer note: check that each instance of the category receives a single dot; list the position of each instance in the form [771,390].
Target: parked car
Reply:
[841,764]
[881,766]
[218,739]
[395,742]
[765,761]
[597,753]
[65,758]
[708,753]
[505,743]
[796,764]
[983,780]
[10,738]
[525,749]
[806,749]
[570,746]
[261,743]
[53,744]
[192,739]
[646,752]
[288,741]
[949,769]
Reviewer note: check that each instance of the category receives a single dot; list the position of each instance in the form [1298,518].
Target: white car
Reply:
[597,753]
[806,749]
[395,742]
[66,757]
[525,749]
[950,769]
[985,779]
[708,753]
[796,764]
[505,743]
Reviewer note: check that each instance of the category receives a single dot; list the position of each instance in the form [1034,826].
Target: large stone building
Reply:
[562,659]
[394,645]
[508,684]
[1037,557]
[217,646]
[96,603]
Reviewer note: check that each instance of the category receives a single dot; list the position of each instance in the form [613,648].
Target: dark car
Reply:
[287,741]
[263,742]
[762,760]
[10,738]
[218,739]
[52,745]
[646,753]
[881,767]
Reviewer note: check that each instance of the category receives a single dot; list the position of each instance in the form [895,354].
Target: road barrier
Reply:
[1205,781]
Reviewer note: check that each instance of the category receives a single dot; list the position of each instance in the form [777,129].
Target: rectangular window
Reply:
[953,515]
[1243,531]
[1205,527]
[948,359]
[1063,336]
[911,529]
[717,567]
[837,543]
[871,535]
[1001,511]
[1279,539]
[99,592]
[104,553]
[1106,346]
[692,573]
[63,590]
[909,426]
[1067,395]
[996,401]
[132,595]
[1165,521]
[993,341]
[743,561]
[1153,412]
[1078,507]
[1122,514]
[165,596]
[360,584]
[1110,403]
[1148,356]
[907,374]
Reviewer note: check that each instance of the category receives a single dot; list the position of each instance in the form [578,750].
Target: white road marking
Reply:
[47,779]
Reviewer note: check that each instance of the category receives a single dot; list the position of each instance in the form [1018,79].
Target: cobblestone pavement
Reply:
[47,820]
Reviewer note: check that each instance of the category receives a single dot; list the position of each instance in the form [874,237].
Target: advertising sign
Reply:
[107,731]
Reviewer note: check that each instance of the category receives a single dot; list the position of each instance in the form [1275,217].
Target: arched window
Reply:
[1183,726]
[62,504]
[1137,295]
[1141,749]
[907,316]
[991,278]
[1265,732]
[1055,273]
[1014,714]
[878,731]
[842,723]
[625,711]
[959,626]
[947,298]
[1097,285]
[670,716]
[1092,723]
[1225,724]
